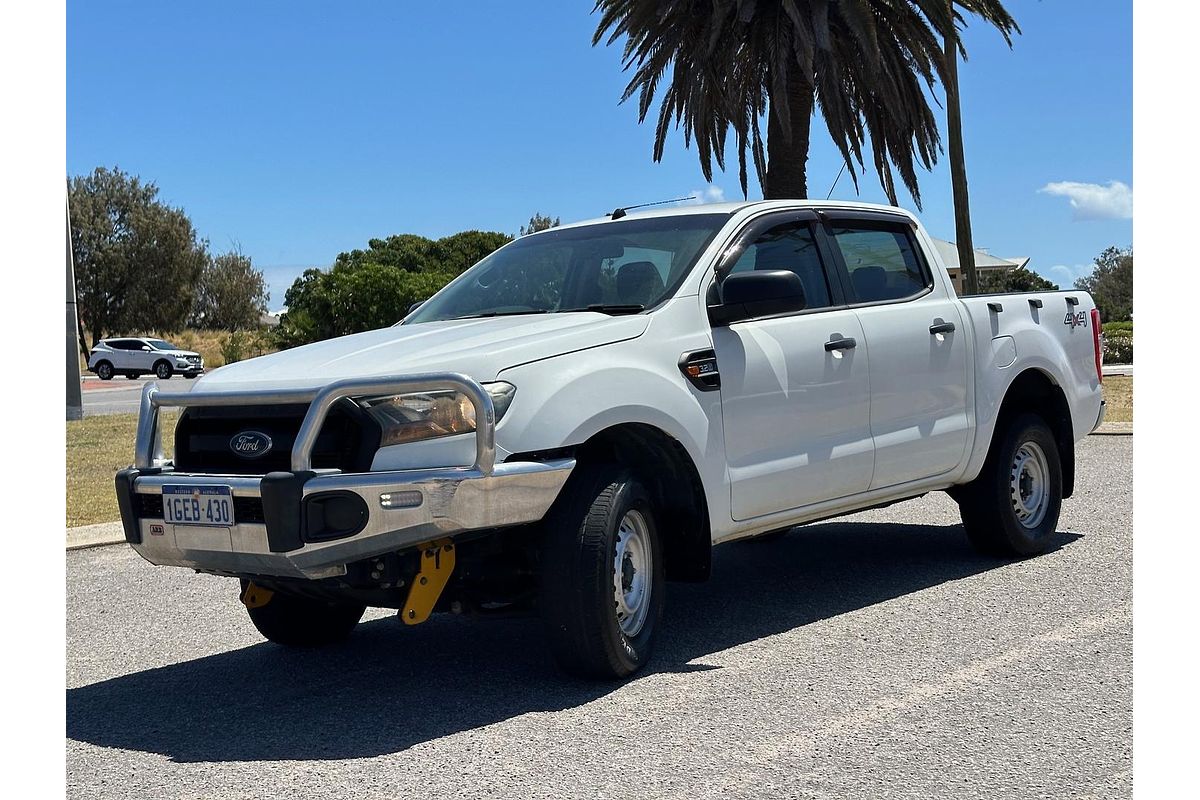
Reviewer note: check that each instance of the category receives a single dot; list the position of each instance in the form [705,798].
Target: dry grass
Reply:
[98,446]
[1118,393]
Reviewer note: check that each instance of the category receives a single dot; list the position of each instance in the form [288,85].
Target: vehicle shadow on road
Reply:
[389,687]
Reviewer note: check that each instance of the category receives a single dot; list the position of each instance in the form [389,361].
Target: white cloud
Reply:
[1093,201]
[709,194]
[1066,276]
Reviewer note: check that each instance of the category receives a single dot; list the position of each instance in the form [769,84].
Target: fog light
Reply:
[400,499]
[334,515]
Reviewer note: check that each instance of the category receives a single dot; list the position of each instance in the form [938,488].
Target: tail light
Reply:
[1097,344]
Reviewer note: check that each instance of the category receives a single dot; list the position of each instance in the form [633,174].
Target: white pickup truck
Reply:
[583,414]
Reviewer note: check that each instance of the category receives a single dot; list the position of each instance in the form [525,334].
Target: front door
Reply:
[794,388]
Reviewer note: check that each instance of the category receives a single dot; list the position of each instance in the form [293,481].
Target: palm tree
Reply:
[866,64]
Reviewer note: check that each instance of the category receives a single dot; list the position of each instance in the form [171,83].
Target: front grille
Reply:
[347,441]
[149,506]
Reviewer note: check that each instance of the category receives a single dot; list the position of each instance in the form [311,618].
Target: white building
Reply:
[984,262]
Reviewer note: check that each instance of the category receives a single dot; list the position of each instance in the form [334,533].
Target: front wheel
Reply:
[1012,508]
[296,621]
[163,370]
[601,591]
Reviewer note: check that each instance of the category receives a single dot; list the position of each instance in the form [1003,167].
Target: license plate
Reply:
[198,505]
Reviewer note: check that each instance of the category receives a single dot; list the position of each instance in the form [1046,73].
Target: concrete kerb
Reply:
[104,533]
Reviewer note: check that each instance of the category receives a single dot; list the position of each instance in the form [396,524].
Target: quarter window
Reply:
[790,246]
[882,264]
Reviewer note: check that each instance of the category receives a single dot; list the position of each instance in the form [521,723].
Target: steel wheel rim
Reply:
[633,568]
[1029,485]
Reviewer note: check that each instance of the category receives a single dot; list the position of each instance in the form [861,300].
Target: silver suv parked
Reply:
[134,357]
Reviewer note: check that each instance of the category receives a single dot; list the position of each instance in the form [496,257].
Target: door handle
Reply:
[942,327]
[841,344]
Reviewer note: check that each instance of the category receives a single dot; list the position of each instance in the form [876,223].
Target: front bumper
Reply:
[274,532]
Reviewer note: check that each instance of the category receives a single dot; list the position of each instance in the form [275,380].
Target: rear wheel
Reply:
[296,621]
[163,370]
[1012,508]
[104,371]
[601,593]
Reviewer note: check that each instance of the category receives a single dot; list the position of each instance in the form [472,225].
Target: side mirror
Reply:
[147,348]
[746,295]
[414,307]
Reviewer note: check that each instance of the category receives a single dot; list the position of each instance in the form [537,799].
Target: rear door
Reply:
[120,356]
[794,387]
[918,351]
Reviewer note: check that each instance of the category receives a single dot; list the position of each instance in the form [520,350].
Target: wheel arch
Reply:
[1036,391]
[666,469]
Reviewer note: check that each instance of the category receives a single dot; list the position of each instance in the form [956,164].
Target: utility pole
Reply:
[958,171]
[74,393]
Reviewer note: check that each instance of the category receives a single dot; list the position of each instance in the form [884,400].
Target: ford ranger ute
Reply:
[578,418]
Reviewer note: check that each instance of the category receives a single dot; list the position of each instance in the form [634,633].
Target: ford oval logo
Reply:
[250,444]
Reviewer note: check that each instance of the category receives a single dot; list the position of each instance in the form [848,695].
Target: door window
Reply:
[882,264]
[789,246]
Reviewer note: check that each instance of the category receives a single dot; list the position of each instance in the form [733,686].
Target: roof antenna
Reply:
[835,181]
[620,212]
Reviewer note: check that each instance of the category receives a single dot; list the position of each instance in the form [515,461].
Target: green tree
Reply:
[137,259]
[1013,280]
[539,222]
[374,287]
[725,64]
[232,294]
[1111,284]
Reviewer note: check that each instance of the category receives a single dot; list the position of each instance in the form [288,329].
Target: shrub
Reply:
[1118,347]
[1114,327]
[234,346]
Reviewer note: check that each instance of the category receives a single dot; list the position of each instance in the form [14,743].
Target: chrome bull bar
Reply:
[433,502]
[149,452]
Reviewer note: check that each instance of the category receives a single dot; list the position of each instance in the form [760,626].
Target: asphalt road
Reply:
[874,656]
[122,395]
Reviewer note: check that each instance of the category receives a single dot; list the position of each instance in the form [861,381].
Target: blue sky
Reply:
[302,129]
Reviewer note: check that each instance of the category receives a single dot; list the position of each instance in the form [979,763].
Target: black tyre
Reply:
[1012,508]
[104,371]
[296,621]
[601,588]
[191,376]
[163,370]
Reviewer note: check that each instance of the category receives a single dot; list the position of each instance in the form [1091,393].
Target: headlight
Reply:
[428,415]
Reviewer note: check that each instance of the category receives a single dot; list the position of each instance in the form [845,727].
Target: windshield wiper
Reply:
[502,313]
[610,308]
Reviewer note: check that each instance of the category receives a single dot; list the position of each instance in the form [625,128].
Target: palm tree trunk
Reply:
[958,174]
[787,156]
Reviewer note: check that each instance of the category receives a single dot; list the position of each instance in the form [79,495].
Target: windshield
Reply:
[159,344]
[612,267]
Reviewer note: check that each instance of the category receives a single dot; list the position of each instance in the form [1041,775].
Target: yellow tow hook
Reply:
[256,596]
[437,562]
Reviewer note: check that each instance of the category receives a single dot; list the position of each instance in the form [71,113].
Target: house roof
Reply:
[983,260]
